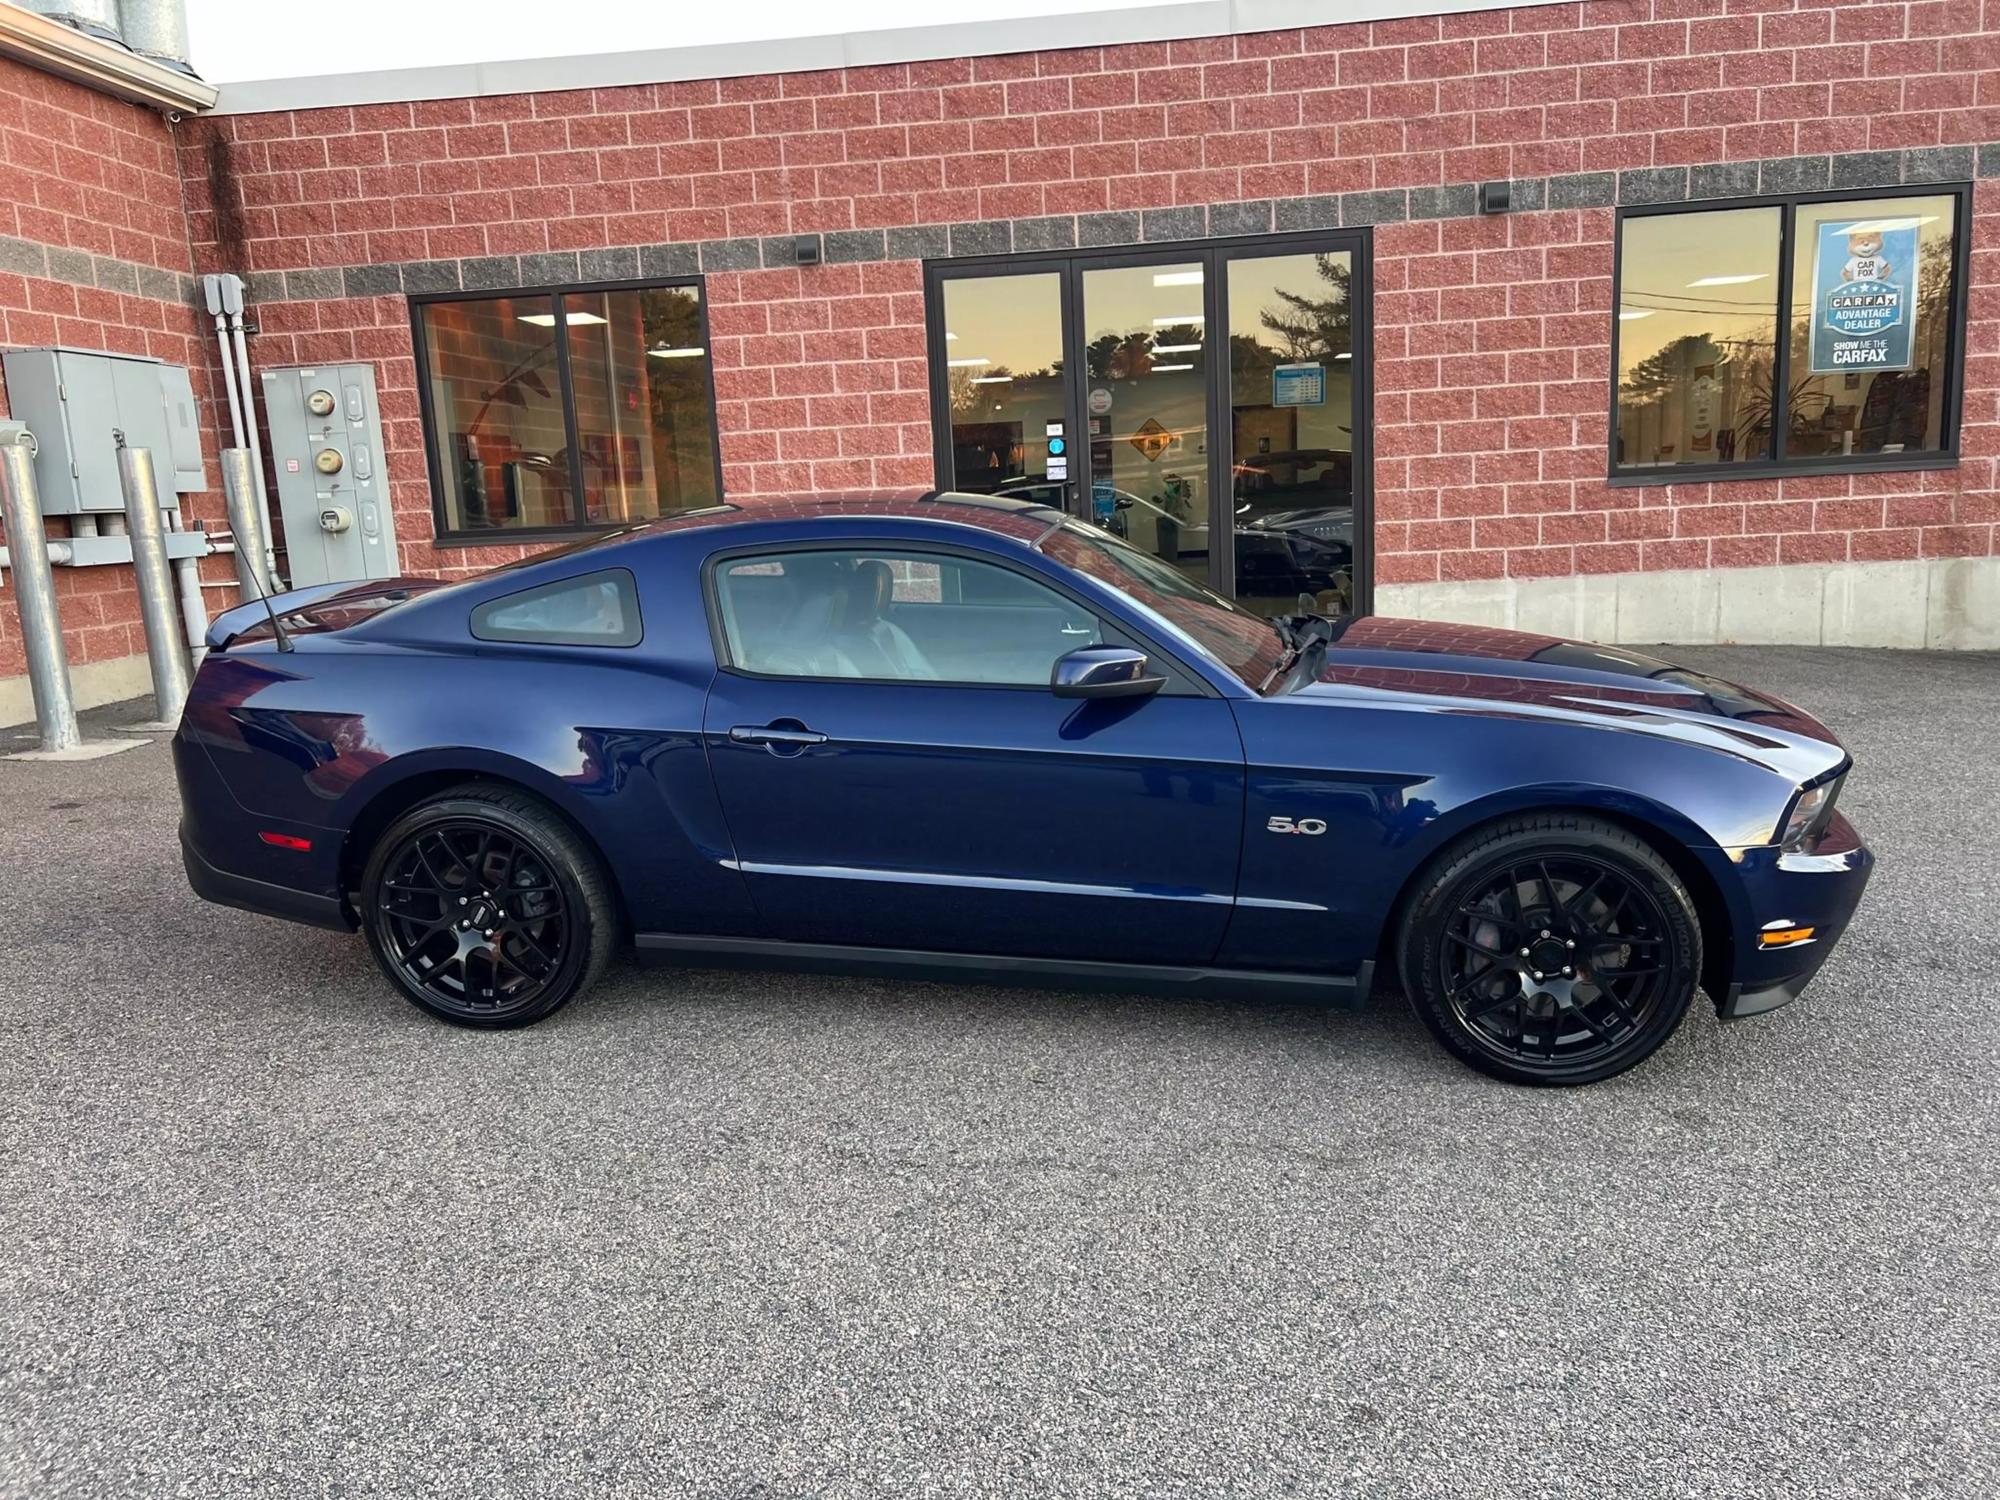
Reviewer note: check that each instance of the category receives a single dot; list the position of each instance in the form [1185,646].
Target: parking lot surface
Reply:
[270,1231]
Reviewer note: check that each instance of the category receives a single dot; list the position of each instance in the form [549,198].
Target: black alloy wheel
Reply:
[1553,950]
[486,908]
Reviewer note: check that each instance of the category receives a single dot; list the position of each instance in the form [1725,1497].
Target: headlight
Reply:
[1811,810]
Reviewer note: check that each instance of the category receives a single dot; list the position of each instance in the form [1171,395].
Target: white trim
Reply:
[811,54]
[1936,604]
[97,63]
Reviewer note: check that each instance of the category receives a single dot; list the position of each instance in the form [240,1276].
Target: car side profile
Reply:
[949,734]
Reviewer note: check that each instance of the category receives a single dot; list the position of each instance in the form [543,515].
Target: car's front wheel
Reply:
[1551,949]
[486,908]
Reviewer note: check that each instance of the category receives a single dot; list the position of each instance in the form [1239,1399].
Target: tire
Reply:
[1596,995]
[485,907]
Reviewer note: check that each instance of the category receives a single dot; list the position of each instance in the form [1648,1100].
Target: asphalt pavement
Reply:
[269,1231]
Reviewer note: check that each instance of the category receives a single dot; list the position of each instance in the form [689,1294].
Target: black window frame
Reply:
[1214,252]
[1778,466]
[554,292]
[628,593]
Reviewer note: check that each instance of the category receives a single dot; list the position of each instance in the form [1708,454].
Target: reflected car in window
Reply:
[968,735]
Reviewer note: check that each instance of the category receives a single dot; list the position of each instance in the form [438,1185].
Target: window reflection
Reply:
[1004,381]
[1697,337]
[1871,313]
[639,394]
[1291,399]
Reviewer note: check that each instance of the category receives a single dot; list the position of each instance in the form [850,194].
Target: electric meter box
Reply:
[75,400]
[326,445]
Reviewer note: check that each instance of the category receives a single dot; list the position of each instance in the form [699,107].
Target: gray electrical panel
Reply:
[326,444]
[74,400]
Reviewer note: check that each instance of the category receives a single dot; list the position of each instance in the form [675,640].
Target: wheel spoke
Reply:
[1555,896]
[1596,1027]
[1480,948]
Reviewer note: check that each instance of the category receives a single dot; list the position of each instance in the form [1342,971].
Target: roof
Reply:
[812,54]
[1026,520]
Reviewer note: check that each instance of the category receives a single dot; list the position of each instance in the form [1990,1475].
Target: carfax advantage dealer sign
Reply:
[1864,295]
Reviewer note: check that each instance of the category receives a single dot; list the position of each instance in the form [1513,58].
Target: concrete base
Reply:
[1945,604]
[89,750]
[92,686]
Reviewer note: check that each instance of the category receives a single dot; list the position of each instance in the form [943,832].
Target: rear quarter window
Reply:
[594,609]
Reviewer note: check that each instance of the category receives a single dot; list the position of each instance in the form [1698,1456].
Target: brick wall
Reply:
[94,253]
[1491,334]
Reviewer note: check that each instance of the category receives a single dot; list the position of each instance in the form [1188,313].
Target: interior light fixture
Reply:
[950,337]
[688,353]
[1344,354]
[1164,369]
[548,320]
[1732,280]
[1177,278]
[1176,348]
[1180,318]
[992,379]
[966,364]
[1633,314]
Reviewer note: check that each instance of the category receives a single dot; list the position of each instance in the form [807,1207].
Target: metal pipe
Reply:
[194,612]
[157,29]
[229,377]
[35,591]
[266,530]
[156,590]
[59,553]
[245,524]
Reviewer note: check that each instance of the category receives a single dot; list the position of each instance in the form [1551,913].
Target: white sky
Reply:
[235,40]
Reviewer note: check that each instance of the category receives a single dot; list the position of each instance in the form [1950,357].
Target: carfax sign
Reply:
[1864,291]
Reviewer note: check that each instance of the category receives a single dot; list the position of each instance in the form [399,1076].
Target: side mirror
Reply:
[1103,672]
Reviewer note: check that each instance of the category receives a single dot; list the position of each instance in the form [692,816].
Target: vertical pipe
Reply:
[156,589]
[35,591]
[245,525]
[194,610]
[269,531]
[229,377]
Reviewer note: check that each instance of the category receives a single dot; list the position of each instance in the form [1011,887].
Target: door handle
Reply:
[785,737]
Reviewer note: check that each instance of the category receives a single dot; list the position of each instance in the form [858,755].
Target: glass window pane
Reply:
[496,401]
[1003,381]
[1146,362]
[599,609]
[644,398]
[1291,399]
[1697,337]
[896,617]
[1871,314]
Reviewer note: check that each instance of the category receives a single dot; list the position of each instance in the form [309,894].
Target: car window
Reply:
[597,609]
[899,616]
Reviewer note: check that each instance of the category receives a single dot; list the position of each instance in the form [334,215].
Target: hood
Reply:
[1470,669]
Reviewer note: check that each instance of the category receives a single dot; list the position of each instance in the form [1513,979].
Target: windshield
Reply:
[1220,629]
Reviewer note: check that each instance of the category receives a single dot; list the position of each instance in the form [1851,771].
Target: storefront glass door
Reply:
[1198,401]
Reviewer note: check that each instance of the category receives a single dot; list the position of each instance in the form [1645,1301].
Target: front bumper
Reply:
[1818,888]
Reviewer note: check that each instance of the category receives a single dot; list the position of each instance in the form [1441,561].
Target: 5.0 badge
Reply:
[1299,825]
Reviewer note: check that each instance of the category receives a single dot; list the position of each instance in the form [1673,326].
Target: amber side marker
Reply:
[1784,937]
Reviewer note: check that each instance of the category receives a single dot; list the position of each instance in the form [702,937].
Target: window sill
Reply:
[1892,463]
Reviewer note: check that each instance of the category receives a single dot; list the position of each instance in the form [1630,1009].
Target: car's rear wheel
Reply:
[1551,950]
[486,908]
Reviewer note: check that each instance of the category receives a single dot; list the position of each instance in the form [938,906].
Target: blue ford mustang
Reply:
[948,734]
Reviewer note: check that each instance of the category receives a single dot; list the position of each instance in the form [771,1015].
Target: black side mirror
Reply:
[1103,672]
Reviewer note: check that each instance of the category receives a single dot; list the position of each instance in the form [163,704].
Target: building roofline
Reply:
[1148,23]
[98,63]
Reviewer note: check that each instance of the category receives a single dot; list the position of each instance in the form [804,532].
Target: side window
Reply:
[901,616]
[597,609]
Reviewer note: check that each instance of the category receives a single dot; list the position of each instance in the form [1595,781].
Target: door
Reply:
[1200,400]
[896,773]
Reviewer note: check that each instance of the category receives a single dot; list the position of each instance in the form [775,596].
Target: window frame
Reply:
[1182,680]
[553,292]
[628,588]
[1788,204]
